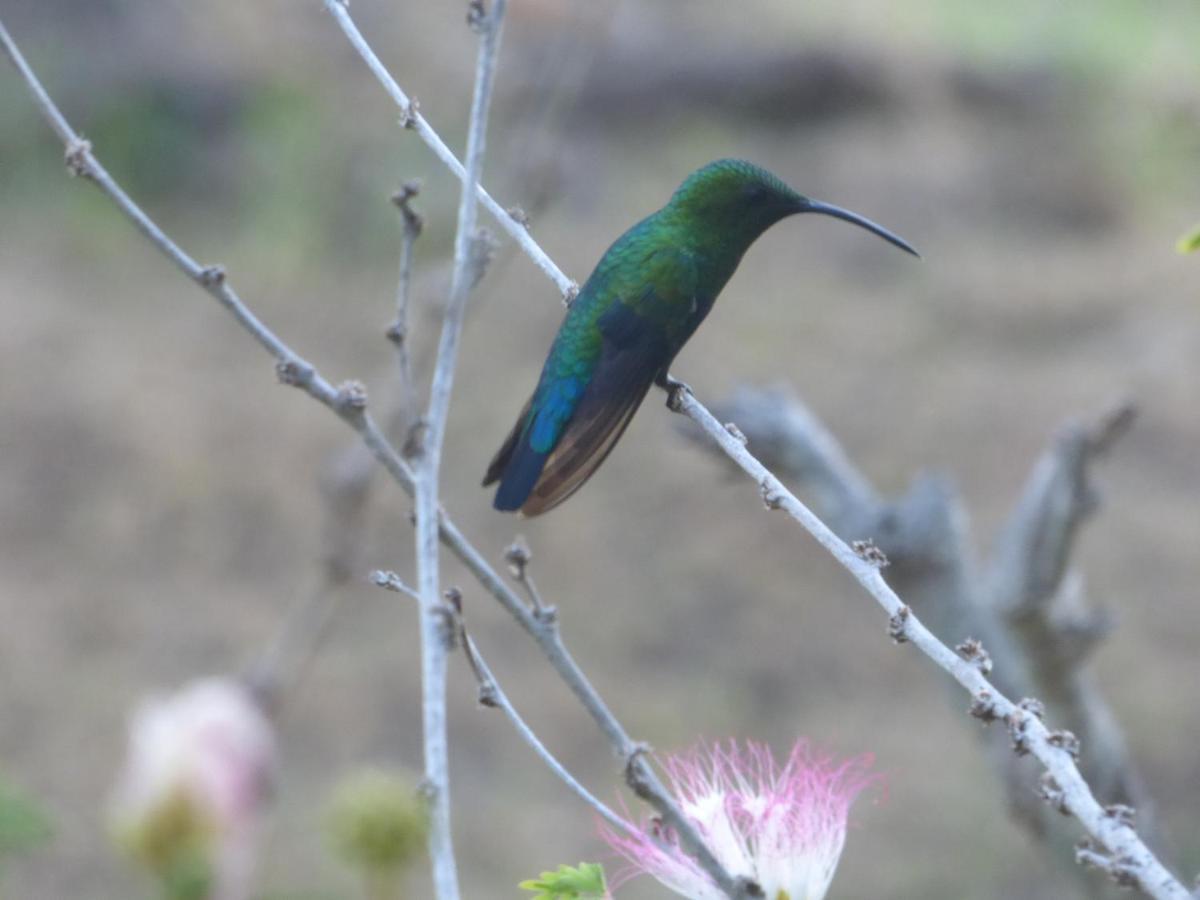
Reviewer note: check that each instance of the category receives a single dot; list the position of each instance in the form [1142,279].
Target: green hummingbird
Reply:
[646,297]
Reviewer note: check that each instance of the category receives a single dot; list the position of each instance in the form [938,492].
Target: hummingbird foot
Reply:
[675,390]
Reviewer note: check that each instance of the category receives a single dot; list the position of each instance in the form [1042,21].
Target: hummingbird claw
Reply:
[675,390]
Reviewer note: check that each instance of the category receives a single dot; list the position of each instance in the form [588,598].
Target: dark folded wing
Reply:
[617,388]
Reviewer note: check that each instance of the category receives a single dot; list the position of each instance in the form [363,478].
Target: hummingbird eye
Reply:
[754,191]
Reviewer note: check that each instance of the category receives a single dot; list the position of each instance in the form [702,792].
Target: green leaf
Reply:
[1190,241]
[583,882]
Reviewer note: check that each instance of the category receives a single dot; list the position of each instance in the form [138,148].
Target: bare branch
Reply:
[1030,560]
[412,118]
[1038,649]
[1139,866]
[1031,583]
[788,436]
[434,645]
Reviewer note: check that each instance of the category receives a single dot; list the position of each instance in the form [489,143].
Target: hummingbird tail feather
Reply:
[524,469]
[516,466]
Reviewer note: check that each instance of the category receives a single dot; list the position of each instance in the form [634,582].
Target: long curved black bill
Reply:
[828,209]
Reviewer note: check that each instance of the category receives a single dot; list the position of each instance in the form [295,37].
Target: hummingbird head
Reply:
[737,201]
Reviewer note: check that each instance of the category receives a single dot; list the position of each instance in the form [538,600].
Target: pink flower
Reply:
[195,783]
[784,826]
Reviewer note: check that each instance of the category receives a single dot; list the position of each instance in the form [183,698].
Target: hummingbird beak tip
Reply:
[845,215]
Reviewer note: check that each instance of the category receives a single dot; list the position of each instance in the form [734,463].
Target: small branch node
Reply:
[212,276]
[518,555]
[482,251]
[1033,706]
[676,391]
[351,396]
[1066,741]
[454,596]
[409,114]
[1018,723]
[1018,730]
[972,651]
[294,372]
[397,334]
[519,216]
[78,158]
[413,220]
[634,775]
[390,581]
[426,789]
[488,692]
[414,441]
[737,433]
[1120,813]
[983,707]
[772,493]
[1050,791]
[1121,869]
[488,696]
[447,632]
[868,552]
[477,17]
[898,625]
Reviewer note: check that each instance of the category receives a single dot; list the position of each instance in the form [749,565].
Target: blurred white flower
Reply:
[195,783]
[784,826]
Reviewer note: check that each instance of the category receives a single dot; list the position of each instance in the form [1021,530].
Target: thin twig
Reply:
[397,331]
[390,581]
[274,675]
[411,118]
[488,686]
[491,695]
[518,556]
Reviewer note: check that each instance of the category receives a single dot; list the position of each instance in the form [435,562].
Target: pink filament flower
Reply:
[784,826]
[196,781]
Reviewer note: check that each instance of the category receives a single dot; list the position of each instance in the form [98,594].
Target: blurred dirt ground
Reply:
[159,511]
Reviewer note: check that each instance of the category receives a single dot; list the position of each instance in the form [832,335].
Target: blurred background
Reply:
[159,504]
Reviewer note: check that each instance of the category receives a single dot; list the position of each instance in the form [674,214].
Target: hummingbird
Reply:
[645,298]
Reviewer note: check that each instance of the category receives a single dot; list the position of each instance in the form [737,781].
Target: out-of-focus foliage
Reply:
[377,822]
[582,882]
[1189,242]
[23,825]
